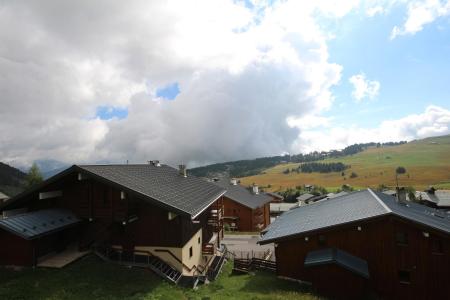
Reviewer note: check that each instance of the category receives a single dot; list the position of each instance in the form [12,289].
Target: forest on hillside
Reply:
[249,167]
[12,180]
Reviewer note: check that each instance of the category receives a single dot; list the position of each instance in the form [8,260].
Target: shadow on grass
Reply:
[266,283]
[89,278]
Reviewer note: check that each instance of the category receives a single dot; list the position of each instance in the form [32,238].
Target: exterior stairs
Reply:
[141,260]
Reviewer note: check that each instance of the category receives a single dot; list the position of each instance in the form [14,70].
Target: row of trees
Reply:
[322,167]
[318,167]
[248,167]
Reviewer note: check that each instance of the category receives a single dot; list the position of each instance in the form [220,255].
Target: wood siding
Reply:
[376,243]
[246,219]
[105,219]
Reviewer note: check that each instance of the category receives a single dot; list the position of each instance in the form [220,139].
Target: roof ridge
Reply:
[379,200]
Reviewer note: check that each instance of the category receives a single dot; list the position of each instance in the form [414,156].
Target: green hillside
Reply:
[12,180]
[427,162]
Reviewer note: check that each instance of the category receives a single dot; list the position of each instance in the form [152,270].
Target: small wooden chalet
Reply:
[244,209]
[276,198]
[435,198]
[150,215]
[365,243]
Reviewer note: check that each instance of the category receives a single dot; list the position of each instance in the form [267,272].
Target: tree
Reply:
[34,176]
[399,171]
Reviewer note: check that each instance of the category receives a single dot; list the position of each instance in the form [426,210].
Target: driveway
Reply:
[244,246]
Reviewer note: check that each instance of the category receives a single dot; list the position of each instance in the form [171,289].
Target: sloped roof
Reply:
[282,207]
[3,196]
[305,197]
[162,185]
[342,193]
[242,195]
[338,257]
[275,195]
[39,223]
[355,206]
[440,198]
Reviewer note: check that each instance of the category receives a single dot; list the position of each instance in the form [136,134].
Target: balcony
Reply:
[209,248]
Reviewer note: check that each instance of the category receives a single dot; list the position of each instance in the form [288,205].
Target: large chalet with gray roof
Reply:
[244,209]
[149,214]
[365,243]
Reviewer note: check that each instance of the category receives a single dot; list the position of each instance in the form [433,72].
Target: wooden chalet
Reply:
[244,209]
[365,243]
[149,214]
[276,198]
[435,198]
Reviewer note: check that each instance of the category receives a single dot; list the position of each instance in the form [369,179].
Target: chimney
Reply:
[182,169]
[154,163]
[255,189]
[401,195]
[233,181]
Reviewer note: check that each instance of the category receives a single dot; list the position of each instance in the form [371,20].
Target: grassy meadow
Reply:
[427,162]
[91,278]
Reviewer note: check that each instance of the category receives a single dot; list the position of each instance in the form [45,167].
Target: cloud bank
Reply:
[79,81]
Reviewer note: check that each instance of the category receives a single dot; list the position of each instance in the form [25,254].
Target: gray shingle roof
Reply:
[440,198]
[338,257]
[349,208]
[164,184]
[305,197]
[281,207]
[35,224]
[242,195]
[275,195]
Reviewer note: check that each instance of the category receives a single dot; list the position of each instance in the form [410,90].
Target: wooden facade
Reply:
[242,218]
[406,260]
[110,216]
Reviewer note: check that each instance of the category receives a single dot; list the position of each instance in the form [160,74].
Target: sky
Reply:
[199,82]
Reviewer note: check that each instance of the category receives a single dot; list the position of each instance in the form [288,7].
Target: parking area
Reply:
[244,246]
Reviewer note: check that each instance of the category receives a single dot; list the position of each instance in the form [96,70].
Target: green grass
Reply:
[91,278]
[427,162]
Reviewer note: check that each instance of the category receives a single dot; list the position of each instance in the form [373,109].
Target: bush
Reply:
[353,175]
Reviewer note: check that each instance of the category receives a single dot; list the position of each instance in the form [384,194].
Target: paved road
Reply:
[243,245]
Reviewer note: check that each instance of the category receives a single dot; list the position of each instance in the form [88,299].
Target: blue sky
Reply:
[413,70]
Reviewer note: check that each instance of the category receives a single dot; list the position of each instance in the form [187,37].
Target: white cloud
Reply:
[364,88]
[419,14]
[432,122]
[241,73]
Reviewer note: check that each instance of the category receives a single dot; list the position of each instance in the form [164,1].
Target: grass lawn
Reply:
[91,278]
[427,162]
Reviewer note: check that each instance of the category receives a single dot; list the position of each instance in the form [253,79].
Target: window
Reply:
[401,238]
[404,276]
[190,252]
[322,240]
[199,240]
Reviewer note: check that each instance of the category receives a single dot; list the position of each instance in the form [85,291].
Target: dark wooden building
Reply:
[245,209]
[150,208]
[393,248]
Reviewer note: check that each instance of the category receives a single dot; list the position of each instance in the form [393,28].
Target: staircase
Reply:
[139,259]
[164,270]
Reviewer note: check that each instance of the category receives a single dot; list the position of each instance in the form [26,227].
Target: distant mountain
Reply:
[12,180]
[50,167]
